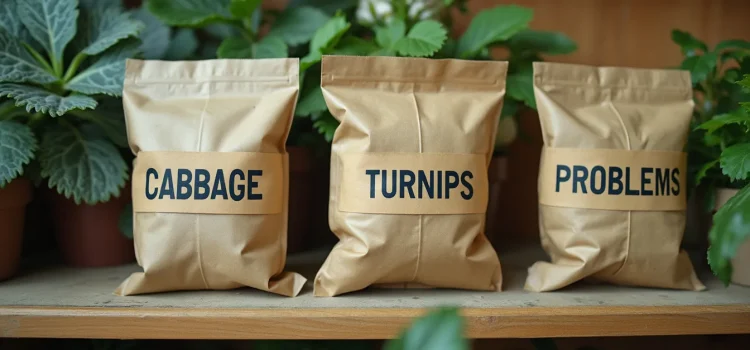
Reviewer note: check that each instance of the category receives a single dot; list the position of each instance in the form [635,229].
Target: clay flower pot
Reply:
[498,173]
[741,261]
[13,200]
[88,235]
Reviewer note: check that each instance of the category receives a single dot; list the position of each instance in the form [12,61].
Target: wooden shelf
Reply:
[78,303]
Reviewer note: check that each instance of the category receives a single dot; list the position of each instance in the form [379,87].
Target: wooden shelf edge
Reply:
[370,323]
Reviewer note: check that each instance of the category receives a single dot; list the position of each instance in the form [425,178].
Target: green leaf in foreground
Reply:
[297,25]
[550,43]
[520,86]
[721,120]
[190,13]
[440,329]
[106,75]
[329,34]
[388,35]
[82,165]
[17,65]
[51,22]
[241,9]
[39,100]
[424,39]
[103,26]
[490,26]
[311,59]
[700,66]
[735,161]
[235,47]
[688,43]
[731,228]
[17,147]
[270,47]
[155,35]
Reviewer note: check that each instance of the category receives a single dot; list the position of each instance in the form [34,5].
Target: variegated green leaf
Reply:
[51,22]
[17,147]
[17,65]
[40,100]
[103,25]
[105,76]
[154,36]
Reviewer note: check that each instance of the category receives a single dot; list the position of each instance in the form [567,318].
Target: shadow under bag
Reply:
[409,161]
[210,179]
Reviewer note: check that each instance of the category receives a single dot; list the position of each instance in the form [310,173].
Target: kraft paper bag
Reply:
[612,182]
[210,179]
[409,163]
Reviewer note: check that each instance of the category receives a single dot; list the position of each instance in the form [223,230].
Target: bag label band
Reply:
[413,183]
[208,182]
[613,179]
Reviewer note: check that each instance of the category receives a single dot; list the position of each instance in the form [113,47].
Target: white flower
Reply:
[424,9]
[383,11]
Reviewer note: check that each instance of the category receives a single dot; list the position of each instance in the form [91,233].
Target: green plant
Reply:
[731,227]
[62,65]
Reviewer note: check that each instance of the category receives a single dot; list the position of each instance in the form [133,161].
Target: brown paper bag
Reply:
[210,179]
[430,125]
[612,179]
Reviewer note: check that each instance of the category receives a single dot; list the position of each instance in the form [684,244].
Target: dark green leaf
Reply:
[312,58]
[106,75]
[51,22]
[270,47]
[700,66]
[383,52]
[703,171]
[190,13]
[109,118]
[735,161]
[745,82]
[719,121]
[125,223]
[243,8]
[423,40]
[328,6]
[222,30]
[102,26]
[39,100]
[184,44]
[354,46]
[733,44]
[493,25]
[448,50]
[388,35]
[235,47]
[312,102]
[155,36]
[17,65]
[738,56]
[520,86]
[297,25]
[440,329]
[17,147]
[326,125]
[731,228]
[688,43]
[550,43]
[327,36]
[82,165]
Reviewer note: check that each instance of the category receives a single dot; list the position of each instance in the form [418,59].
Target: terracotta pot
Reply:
[13,200]
[498,174]
[88,235]
[301,184]
[741,261]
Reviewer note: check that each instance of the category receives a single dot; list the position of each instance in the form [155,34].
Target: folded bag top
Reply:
[409,162]
[612,180]
[210,178]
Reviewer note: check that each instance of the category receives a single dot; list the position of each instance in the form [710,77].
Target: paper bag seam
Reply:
[630,212]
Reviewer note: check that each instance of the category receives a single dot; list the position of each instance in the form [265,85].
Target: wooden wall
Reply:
[631,33]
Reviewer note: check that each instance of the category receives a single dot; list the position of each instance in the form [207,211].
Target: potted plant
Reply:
[62,64]
[718,124]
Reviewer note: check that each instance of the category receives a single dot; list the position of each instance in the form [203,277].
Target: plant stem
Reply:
[38,57]
[74,66]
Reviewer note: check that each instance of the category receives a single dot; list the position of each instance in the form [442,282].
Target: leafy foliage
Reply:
[64,99]
[492,26]
[440,329]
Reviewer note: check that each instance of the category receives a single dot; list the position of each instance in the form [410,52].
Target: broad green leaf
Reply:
[326,125]
[719,121]
[243,8]
[51,22]
[191,13]
[297,25]
[354,46]
[155,36]
[109,119]
[731,228]
[700,66]
[688,43]
[388,35]
[270,47]
[82,165]
[735,161]
[221,30]
[40,100]
[17,65]
[520,86]
[733,44]
[423,40]
[235,47]
[103,26]
[327,36]
[183,45]
[493,25]
[125,222]
[703,171]
[311,59]
[17,147]
[10,21]
[106,75]
[439,329]
[550,43]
